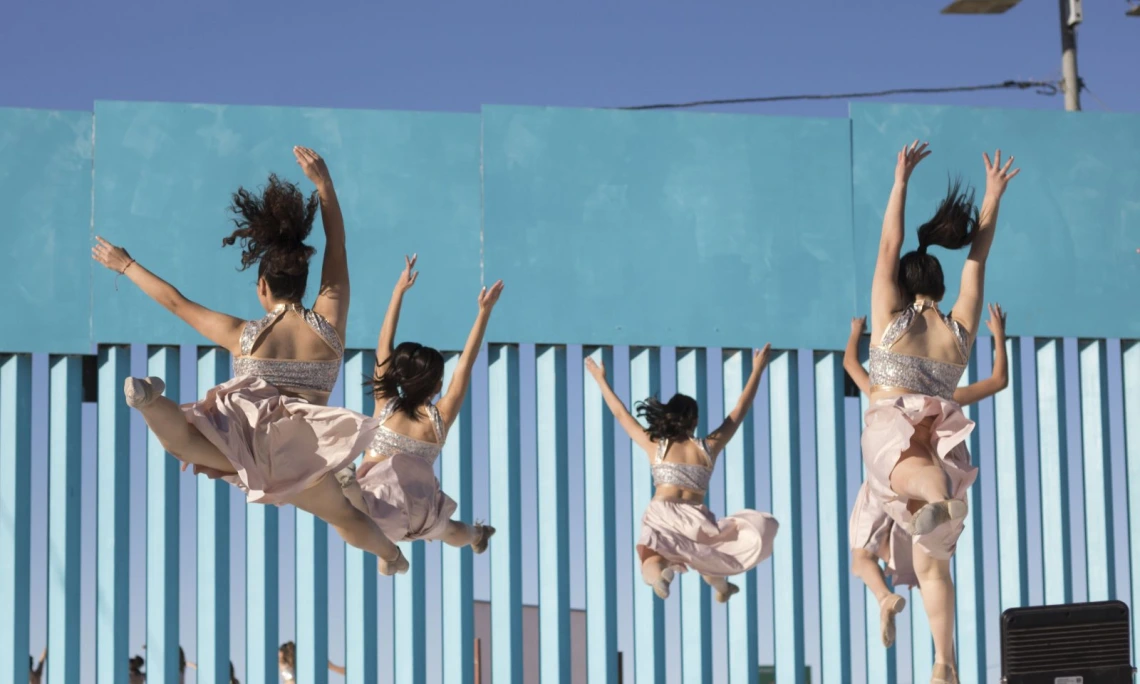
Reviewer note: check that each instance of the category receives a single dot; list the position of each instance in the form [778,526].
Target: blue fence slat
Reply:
[833,509]
[788,582]
[1130,369]
[969,579]
[554,511]
[1009,455]
[1099,516]
[696,613]
[409,616]
[162,557]
[213,656]
[740,493]
[64,487]
[458,585]
[360,607]
[262,594]
[113,529]
[648,610]
[15,513]
[506,515]
[601,550]
[921,643]
[1051,417]
[312,607]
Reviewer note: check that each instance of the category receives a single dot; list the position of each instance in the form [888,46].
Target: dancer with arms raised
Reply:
[269,430]
[678,532]
[913,442]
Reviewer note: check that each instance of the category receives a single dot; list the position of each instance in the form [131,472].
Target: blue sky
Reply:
[457,56]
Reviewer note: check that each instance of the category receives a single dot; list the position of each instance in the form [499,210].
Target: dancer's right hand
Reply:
[858,325]
[598,370]
[996,323]
[908,158]
[997,175]
[408,275]
[488,298]
[111,256]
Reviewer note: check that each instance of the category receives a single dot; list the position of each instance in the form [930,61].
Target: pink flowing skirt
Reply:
[402,495]
[890,425]
[688,535]
[278,445]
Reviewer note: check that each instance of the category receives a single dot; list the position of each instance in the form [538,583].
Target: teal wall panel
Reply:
[618,221]
[407,182]
[45,221]
[1065,245]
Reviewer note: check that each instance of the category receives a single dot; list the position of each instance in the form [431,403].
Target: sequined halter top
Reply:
[916,374]
[291,374]
[691,476]
[388,442]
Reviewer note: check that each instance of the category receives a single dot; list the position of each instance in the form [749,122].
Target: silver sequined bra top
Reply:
[291,374]
[691,476]
[388,442]
[917,374]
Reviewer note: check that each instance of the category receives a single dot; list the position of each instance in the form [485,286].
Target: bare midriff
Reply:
[680,494]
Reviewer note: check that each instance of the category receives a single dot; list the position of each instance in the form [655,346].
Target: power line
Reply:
[1041,87]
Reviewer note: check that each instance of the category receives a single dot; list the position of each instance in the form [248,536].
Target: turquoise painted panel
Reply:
[1130,365]
[1065,244]
[262,604]
[740,493]
[969,558]
[408,613]
[506,514]
[162,548]
[595,210]
[407,182]
[601,553]
[1009,456]
[45,220]
[1099,514]
[15,512]
[65,565]
[113,508]
[213,529]
[458,623]
[312,600]
[1053,446]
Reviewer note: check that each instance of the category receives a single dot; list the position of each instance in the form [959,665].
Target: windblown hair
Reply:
[672,421]
[953,226]
[272,227]
[410,376]
[288,653]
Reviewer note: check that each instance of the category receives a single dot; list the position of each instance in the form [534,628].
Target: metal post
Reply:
[1070,81]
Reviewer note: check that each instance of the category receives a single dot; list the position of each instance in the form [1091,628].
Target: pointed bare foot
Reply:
[141,392]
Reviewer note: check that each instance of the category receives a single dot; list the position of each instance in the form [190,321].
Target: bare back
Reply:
[294,349]
[686,453]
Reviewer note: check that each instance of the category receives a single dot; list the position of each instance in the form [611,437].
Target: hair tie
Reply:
[922,248]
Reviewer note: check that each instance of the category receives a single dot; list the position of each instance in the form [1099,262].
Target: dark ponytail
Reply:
[674,420]
[272,228]
[410,376]
[953,226]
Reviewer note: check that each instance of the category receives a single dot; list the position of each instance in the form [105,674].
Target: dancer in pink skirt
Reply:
[872,533]
[678,531]
[914,447]
[269,430]
[396,485]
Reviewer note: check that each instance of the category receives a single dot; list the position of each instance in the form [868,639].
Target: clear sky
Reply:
[457,56]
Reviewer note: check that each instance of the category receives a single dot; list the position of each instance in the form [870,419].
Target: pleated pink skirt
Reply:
[402,495]
[278,445]
[689,536]
[889,427]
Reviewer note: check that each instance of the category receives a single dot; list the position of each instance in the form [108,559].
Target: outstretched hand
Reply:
[114,258]
[996,322]
[408,275]
[596,369]
[998,175]
[314,167]
[858,325]
[488,298]
[908,158]
[760,357]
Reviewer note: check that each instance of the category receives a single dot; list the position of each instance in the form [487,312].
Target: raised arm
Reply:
[332,299]
[885,296]
[851,357]
[968,309]
[720,436]
[999,379]
[392,316]
[624,418]
[339,669]
[452,401]
[221,329]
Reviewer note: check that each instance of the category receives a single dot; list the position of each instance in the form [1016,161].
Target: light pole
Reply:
[1070,16]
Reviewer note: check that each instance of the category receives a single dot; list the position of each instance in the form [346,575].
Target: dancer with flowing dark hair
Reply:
[678,532]
[913,442]
[269,430]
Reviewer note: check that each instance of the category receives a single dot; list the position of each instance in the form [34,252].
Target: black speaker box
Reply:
[1079,643]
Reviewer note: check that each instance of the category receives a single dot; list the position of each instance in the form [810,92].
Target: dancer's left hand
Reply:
[597,370]
[114,258]
[313,166]
[996,322]
[761,357]
[488,298]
